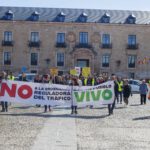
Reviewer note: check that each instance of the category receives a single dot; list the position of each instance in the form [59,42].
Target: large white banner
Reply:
[56,95]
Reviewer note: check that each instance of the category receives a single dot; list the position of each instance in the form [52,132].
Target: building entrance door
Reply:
[82,63]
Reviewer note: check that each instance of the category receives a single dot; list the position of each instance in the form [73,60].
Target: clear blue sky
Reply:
[92,4]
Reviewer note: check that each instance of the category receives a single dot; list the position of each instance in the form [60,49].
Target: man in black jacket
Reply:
[112,106]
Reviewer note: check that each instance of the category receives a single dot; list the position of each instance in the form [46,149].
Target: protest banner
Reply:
[73,72]
[148,94]
[86,71]
[54,71]
[54,94]
[78,70]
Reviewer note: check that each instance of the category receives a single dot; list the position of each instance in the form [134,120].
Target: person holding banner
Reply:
[4,104]
[112,106]
[11,77]
[74,82]
[45,79]
[23,77]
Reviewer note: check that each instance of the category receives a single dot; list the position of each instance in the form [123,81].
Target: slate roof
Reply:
[72,15]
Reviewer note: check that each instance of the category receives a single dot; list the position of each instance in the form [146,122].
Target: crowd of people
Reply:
[122,89]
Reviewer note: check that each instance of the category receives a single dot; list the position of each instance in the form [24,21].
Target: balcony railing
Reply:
[7,62]
[83,45]
[61,45]
[131,65]
[34,43]
[105,65]
[109,46]
[7,43]
[132,46]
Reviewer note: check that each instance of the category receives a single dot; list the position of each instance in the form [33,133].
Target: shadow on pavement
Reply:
[22,107]
[46,115]
[120,107]
[135,105]
[141,118]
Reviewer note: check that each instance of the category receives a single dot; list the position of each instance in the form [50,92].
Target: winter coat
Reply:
[143,89]
[126,91]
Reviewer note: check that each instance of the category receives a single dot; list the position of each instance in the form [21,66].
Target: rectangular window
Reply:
[8,36]
[34,37]
[131,61]
[131,75]
[131,39]
[34,59]
[60,37]
[60,59]
[105,39]
[33,71]
[83,37]
[105,60]
[7,58]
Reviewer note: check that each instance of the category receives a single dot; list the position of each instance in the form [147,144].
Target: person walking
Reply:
[126,92]
[143,92]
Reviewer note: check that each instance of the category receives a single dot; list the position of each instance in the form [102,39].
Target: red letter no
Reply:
[25,88]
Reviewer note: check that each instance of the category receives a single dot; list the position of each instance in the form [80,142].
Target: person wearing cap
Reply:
[143,92]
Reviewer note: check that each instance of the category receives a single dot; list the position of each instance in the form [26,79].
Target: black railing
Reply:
[131,65]
[109,46]
[7,43]
[132,46]
[7,62]
[34,44]
[105,64]
[63,45]
[83,45]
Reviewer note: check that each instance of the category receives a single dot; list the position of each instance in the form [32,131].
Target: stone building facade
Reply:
[73,37]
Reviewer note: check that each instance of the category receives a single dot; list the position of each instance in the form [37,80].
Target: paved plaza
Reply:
[28,128]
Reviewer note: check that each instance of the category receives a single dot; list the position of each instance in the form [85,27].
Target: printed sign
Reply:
[54,71]
[73,72]
[78,70]
[86,71]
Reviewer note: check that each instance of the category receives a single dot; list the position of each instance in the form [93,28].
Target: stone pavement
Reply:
[28,128]
[59,133]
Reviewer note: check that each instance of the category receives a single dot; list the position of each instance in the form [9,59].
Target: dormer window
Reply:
[131,19]
[9,15]
[105,18]
[83,17]
[61,17]
[35,16]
